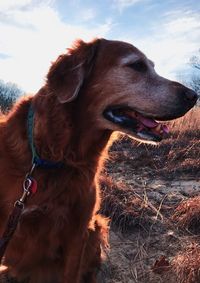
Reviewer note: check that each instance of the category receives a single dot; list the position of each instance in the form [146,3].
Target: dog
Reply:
[92,90]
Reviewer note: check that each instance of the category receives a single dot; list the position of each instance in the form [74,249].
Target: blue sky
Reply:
[33,33]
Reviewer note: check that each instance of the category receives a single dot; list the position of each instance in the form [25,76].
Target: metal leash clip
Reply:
[27,188]
[26,192]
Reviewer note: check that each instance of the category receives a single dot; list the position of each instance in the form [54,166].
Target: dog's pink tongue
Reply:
[153,125]
[148,122]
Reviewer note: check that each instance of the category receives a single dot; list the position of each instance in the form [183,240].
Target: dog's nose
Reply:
[185,93]
[190,95]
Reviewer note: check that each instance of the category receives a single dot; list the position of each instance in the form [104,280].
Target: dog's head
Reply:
[118,88]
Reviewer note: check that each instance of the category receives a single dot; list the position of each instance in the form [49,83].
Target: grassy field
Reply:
[151,194]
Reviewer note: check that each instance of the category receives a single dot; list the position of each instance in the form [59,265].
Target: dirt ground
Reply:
[133,255]
[145,242]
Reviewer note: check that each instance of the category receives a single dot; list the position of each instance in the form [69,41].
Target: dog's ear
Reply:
[67,73]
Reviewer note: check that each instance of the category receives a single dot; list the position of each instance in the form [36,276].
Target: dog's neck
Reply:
[62,134]
[58,134]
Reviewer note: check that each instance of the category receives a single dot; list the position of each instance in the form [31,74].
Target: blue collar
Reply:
[36,160]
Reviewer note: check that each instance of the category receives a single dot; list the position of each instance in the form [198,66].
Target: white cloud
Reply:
[88,14]
[10,4]
[36,37]
[182,23]
[122,4]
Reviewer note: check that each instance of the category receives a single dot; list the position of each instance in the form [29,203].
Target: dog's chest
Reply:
[60,210]
[51,225]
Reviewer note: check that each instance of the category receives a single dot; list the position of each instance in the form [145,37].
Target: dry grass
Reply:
[187,264]
[126,209]
[187,215]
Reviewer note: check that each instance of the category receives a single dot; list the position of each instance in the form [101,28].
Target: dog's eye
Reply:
[139,66]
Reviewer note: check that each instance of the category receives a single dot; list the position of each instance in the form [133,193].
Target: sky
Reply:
[33,33]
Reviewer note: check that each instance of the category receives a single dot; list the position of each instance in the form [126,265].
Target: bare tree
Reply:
[9,92]
[195,77]
[195,61]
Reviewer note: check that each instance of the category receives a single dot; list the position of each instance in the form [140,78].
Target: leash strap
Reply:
[10,228]
[29,187]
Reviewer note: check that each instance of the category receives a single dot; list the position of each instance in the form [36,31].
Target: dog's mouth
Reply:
[137,125]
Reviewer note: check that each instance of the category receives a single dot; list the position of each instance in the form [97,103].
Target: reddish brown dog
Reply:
[93,90]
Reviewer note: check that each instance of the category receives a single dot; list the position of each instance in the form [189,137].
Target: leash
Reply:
[29,187]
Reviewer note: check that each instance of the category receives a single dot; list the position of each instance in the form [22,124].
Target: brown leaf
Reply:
[161,265]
